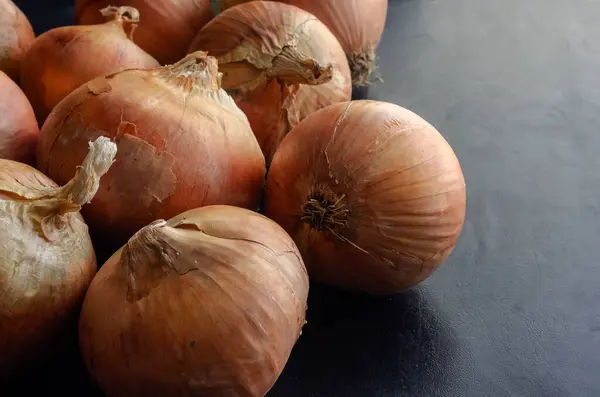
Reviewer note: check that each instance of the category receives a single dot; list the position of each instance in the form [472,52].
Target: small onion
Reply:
[357,24]
[209,303]
[183,143]
[64,58]
[16,36]
[167,27]
[18,127]
[372,194]
[47,260]
[285,67]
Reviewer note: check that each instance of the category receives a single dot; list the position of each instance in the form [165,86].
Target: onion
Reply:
[64,58]
[16,36]
[372,194]
[167,28]
[183,143]
[209,303]
[285,67]
[46,260]
[18,128]
[357,24]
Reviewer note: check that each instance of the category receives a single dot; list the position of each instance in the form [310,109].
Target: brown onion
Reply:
[209,303]
[280,71]
[16,36]
[167,28]
[183,143]
[47,260]
[357,24]
[64,58]
[372,194]
[18,127]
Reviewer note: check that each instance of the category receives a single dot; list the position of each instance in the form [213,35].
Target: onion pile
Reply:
[64,58]
[18,127]
[167,27]
[16,36]
[183,143]
[357,24]
[279,73]
[46,260]
[371,193]
[209,303]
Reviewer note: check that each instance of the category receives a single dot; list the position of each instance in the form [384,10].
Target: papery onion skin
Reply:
[372,194]
[16,36]
[64,58]
[276,100]
[183,143]
[357,24]
[209,303]
[46,258]
[18,127]
[167,27]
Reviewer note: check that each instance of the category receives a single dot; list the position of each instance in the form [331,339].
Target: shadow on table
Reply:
[354,345]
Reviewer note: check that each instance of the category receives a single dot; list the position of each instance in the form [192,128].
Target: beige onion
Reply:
[16,36]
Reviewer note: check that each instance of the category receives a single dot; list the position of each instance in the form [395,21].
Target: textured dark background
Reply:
[514,85]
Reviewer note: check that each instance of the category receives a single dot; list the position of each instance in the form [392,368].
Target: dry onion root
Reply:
[46,256]
[209,303]
[168,26]
[357,24]
[183,143]
[280,73]
[18,127]
[372,194]
[64,58]
[16,36]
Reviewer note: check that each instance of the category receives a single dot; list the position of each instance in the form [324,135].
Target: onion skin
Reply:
[357,24]
[167,28]
[218,293]
[183,143]
[46,257]
[372,194]
[280,73]
[64,58]
[16,36]
[18,127]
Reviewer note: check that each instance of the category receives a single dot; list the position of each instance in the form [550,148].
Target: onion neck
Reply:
[126,17]
[293,67]
[197,71]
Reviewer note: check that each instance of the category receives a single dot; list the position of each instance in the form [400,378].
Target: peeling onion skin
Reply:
[183,143]
[64,58]
[167,28]
[372,194]
[276,99]
[209,303]
[16,36]
[357,24]
[19,129]
[46,258]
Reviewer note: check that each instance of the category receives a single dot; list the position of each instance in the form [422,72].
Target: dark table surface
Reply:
[514,86]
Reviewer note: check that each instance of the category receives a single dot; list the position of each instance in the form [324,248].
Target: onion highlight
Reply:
[64,58]
[372,194]
[47,260]
[209,303]
[288,66]
[183,143]
[16,36]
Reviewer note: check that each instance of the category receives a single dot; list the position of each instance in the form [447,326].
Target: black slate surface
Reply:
[514,85]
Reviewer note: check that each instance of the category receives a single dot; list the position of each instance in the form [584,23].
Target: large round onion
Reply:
[167,28]
[209,303]
[18,127]
[357,24]
[279,73]
[64,58]
[371,193]
[183,143]
[16,36]
[46,260]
